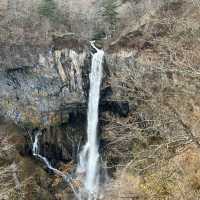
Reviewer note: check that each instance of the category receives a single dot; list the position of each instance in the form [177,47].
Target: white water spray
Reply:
[89,156]
[88,165]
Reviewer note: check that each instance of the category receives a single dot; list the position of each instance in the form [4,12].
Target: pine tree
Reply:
[109,12]
[48,8]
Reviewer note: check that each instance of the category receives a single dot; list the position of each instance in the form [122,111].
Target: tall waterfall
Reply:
[88,166]
[89,156]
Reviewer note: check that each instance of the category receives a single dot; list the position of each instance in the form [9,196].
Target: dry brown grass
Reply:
[175,39]
[175,179]
[162,134]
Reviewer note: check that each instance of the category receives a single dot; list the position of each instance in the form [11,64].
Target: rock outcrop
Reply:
[39,84]
[149,107]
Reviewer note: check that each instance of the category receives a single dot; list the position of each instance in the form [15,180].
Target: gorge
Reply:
[127,106]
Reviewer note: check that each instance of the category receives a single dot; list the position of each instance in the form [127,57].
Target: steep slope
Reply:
[149,107]
[158,73]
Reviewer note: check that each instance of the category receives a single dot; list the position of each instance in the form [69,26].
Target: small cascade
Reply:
[36,152]
[88,166]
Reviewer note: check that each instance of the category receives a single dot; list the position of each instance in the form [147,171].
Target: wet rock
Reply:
[120,108]
[106,93]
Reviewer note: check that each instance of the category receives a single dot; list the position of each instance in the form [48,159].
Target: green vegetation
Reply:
[99,35]
[48,9]
[109,12]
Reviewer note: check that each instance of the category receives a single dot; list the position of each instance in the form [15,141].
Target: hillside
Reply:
[149,107]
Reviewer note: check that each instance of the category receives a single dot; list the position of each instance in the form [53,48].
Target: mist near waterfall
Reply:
[88,165]
[88,168]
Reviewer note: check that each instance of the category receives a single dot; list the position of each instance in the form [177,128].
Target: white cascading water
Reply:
[89,156]
[36,153]
[35,150]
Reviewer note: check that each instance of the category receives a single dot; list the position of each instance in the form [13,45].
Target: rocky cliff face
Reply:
[37,83]
[149,107]
[46,88]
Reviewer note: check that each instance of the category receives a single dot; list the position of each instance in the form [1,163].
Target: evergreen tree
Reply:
[48,8]
[109,12]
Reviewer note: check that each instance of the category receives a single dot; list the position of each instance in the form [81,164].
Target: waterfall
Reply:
[36,153]
[88,165]
[35,150]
